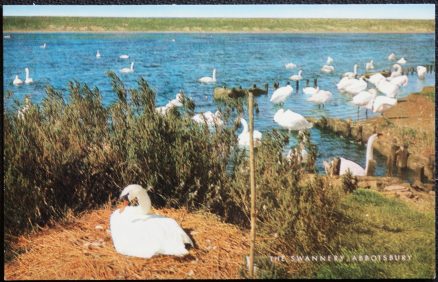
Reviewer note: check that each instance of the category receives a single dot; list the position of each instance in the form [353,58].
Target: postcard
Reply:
[219,141]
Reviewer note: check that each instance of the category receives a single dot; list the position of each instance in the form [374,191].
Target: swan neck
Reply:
[244,124]
[144,202]
[355,69]
[27,73]
[214,74]
[369,152]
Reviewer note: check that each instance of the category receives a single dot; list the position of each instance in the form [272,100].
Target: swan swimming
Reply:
[97,54]
[207,79]
[402,61]
[290,66]
[421,72]
[355,169]
[327,69]
[351,74]
[124,57]
[128,70]
[329,60]
[243,137]
[280,94]
[369,65]
[43,46]
[17,81]
[28,79]
[291,120]
[137,232]
[392,57]
[297,77]
[177,102]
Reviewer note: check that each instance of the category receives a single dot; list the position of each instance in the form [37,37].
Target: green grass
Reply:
[83,24]
[384,226]
[429,92]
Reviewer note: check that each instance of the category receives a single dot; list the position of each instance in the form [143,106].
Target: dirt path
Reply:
[79,250]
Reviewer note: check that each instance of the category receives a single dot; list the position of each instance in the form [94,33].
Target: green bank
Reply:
[83,24]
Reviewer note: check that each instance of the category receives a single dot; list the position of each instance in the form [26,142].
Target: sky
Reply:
[374,11]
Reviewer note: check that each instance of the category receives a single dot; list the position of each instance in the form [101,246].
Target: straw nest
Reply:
[83,249]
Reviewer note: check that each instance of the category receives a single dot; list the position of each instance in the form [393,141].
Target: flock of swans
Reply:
[376,93]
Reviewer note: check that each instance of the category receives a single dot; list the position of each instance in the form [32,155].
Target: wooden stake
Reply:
[252,184]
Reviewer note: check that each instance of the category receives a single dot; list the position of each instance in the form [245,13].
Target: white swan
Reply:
[351,74]
[355,86]
[17,81]
[123,56]
[243,137]
[291,120]
[382,103]
[207,79]
[290,66]
[401,80]
[354,168]
[329,60]
[402,61]
[164,109]
[364,98]
[128,70]
[310,90]
[421,72]
[376,78]
[97,54]
[26,107]
[7,36]
[369,65]
[137,232]
[28,79]
[389,89]
[327,69]
[43,46]
[280,95]
[320,97]
[297,77]
[209,118]
[304,155]
[343,83]
[392,57]
[177,102]
[397,70]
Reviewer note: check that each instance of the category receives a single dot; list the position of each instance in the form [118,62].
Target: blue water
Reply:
[170,62]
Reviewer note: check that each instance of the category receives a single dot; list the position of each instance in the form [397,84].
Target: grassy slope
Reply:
[213,25]
[385,226]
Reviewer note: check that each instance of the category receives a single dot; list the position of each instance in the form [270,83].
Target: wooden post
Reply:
[392,159]
[297,85]
[307,83]
[315,82]
[252,184]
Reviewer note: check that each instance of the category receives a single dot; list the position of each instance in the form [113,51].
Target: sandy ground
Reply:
[77,250]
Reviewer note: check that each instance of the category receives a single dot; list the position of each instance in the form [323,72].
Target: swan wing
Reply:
[353,167]
[147,235]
